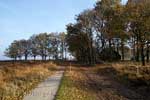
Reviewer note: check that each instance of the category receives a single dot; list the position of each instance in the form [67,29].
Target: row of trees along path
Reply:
[107,32]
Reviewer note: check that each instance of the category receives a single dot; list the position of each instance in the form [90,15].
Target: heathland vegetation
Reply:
[18,78]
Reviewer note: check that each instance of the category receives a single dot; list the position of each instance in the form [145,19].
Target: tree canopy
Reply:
[110,27]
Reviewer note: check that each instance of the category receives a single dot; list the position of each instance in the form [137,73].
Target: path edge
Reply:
[59,85]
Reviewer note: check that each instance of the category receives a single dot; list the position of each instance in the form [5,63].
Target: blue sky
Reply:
[19,19]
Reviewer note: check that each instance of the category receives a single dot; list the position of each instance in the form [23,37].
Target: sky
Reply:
[19,19]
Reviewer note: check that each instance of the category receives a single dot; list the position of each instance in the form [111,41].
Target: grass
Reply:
[79,84]
[134,76]
[72,89]
[133,70]
[17,79]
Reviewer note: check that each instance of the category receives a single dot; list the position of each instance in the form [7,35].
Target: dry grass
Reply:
[134,70]
[18,78]
[105,82]
[134,76]
[86,83]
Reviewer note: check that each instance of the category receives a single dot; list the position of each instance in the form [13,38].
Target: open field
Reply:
[19,78]
[117,81]
[109,81]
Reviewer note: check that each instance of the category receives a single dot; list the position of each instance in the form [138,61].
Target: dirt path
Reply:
[47,89]
[107,88]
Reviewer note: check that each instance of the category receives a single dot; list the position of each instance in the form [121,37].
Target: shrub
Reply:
[109,54]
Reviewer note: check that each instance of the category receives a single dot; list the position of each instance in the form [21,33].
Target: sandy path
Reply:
[47,89]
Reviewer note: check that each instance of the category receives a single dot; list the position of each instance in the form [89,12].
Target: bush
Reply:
[109,54]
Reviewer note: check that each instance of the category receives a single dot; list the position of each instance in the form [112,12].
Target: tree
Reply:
[105,12]
[12,51]
[77,43]
[138,14]
[42,44]
[111,24]
[34,46]
[54,45]
[62,37]
[25,48]
[86,19]
[118,28]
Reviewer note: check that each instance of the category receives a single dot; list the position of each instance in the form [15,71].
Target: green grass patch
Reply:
[70,89]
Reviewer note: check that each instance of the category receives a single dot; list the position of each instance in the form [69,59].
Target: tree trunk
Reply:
[62,50]
[134,52]
[91,62]
[88,56]
[103,43]
[142,55]
[45,57]
[65,53]
[137,55]
[42,57]
[15,58]
[117,48]
[147,53]
[122,50]
[109,41]
[137,50]
[49,57]
[26,57]
[34,57]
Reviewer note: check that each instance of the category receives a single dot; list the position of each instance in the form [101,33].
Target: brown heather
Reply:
[19,78]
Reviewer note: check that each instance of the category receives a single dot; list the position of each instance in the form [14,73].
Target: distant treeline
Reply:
[52,46]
